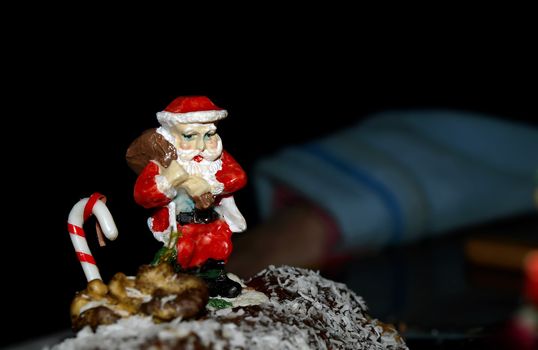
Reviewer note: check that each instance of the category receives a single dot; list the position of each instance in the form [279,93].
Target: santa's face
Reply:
[195,139]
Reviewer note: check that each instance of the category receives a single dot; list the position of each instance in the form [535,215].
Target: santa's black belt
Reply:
[197,216]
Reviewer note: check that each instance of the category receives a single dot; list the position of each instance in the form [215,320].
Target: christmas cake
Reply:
[299,310]
[185,299]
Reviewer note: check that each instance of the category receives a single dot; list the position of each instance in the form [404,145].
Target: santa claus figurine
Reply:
[187,178]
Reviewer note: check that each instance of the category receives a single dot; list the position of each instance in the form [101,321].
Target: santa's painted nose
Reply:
[200,145]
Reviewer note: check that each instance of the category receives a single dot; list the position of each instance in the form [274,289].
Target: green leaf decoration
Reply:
[167,254]
[217,303]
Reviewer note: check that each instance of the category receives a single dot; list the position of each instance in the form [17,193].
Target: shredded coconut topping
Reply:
[304,311]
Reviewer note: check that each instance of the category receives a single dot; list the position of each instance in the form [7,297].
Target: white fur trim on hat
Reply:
[169,118]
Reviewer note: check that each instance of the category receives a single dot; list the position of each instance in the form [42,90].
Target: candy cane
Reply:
[80,213]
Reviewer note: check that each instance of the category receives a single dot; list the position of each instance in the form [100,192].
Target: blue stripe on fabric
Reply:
[388,198]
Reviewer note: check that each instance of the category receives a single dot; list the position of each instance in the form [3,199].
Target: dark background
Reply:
[75,105]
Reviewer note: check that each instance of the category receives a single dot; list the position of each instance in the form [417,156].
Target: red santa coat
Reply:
[197,242]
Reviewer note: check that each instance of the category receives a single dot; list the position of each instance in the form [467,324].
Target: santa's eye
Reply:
[188,137]
[209,134]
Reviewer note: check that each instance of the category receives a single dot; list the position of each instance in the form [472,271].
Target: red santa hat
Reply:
[191,109]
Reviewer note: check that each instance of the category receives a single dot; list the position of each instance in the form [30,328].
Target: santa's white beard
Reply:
[206,168]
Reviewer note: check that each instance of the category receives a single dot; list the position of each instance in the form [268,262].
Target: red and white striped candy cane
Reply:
[78,215]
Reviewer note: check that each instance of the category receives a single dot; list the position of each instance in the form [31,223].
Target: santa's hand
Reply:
[204,201]
[174,173]
[196,186]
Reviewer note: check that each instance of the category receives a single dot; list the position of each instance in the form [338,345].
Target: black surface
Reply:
[435,295]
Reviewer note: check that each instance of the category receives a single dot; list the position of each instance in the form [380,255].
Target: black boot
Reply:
[218,283]
[223,286]
[212,264]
